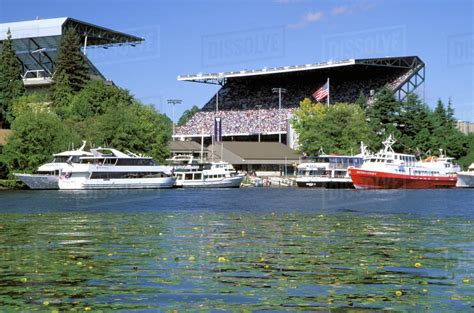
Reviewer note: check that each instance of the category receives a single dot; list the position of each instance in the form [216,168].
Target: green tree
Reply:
[415,125]
[138,128]
[361,101]
[96,98]
[383,116]
[187,115]
[71,60]
[11,83]
[35,137]
[33,102]
[468,159]
[338,128]
[445,135]
[62,93]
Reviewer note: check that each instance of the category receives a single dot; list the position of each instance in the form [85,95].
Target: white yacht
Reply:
[466,178]
[112,169]
[327,171]
[192,174]
[47,175]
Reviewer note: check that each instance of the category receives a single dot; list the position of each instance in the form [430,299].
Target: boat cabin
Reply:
[328,165]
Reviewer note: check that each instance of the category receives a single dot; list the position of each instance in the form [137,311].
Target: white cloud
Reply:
[313,16]
[356,6]
[309,17]
[340,10]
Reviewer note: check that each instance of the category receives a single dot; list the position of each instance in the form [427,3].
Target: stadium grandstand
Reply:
[36,43]
[249,106]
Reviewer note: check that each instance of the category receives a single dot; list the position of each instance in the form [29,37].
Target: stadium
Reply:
[248,104]
[36,44]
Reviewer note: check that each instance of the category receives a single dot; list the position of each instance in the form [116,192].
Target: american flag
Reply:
[322,92]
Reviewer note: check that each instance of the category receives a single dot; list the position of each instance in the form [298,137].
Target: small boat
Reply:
[111,169]
[389,170]
[258,182]
[47,175]
[466,178]
[191,173]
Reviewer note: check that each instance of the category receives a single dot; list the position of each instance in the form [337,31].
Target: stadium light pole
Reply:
[279,91]
[174,102]
[258,106]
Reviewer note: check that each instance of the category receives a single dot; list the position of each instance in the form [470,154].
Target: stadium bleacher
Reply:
[237,122]
[247,104]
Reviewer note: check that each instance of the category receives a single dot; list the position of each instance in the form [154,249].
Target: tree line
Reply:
[419,130]
[76,108]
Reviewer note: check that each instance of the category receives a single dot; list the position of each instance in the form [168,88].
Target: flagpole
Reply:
[329,92]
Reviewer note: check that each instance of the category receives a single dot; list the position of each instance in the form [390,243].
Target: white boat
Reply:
[47,175]
[466,178]
[192,174]
[112,169]
[327,171]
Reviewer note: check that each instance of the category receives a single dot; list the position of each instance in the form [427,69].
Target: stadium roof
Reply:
[37,41]
[184,146]
[97,35]
[400,62]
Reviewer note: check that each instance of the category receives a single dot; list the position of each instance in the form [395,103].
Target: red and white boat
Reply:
[389,170]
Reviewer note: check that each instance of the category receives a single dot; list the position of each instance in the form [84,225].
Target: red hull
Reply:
[364,179]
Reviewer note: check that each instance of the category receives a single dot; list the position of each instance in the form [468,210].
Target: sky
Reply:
[190,37]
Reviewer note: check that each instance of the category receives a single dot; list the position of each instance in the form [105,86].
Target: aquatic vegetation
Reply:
[282,261]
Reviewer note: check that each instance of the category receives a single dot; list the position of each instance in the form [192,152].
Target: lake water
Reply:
[237,250]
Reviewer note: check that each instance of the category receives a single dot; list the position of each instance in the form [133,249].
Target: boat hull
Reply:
[88,184]
[328,183]
[227,182]
[465,180]
[366,179]
[38,181]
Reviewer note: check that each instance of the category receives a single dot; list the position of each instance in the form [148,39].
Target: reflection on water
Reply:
[234,260]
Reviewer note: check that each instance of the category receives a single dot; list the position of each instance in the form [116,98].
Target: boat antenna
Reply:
[388,143]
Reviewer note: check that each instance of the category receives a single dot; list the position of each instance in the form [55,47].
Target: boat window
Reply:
[125,175]
[197,175]
[60,159]
[340,174]
[188,176]
[135,162]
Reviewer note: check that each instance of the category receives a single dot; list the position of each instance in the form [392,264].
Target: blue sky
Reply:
[188,37]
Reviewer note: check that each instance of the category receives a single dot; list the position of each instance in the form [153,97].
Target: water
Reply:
[237,250]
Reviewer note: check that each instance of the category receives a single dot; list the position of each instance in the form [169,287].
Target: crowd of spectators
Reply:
[248,105]
[245,93]
[400,79]
[259,121]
